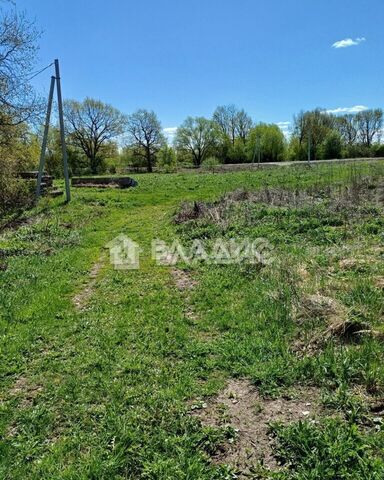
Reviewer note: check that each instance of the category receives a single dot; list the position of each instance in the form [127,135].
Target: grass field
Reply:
[202,372]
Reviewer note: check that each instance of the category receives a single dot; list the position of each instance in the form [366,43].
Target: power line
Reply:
[35,74]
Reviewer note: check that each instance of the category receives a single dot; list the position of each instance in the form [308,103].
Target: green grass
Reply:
[103,393]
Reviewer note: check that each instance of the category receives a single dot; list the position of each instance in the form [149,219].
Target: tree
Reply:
[18,49]
[347,127]
[145,135]
[18,104]
[232,122]
[332,146]
[167,158]
[90,125]
[314,126]
[196,137]
[269,140]
[225,118]
[370,123]
[244,124]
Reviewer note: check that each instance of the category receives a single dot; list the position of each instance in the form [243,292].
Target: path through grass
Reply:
[105,391]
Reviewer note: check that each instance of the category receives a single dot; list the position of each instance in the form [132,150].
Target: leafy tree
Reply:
[167,158]
[196,137]
[90,125]
[18,104]
[145,136]
[332,146]
[270,140]
[296,150]
[314,126]
[18,152]
[237,153]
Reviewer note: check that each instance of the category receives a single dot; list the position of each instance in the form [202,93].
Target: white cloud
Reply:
[285,128]
[170,133]
[355,109]
[349,42]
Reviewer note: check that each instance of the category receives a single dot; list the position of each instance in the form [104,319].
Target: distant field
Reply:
[205,371]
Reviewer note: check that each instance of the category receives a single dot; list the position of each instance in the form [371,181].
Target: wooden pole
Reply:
[45,138]
[62,131]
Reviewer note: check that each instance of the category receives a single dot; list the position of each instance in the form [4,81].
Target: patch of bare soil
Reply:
[185,283]
[183,279]
[81,299]
[241,407]
[16,223]
[26,390]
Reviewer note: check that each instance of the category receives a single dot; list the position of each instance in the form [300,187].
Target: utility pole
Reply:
[45,137]
[254,154]
[62,131]
[55,79]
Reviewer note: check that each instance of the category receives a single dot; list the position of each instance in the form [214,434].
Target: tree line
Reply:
[229,136]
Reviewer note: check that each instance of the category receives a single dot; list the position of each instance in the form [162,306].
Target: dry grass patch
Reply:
[24,389]
[183,279]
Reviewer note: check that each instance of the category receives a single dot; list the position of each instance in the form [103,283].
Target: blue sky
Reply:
[180,58]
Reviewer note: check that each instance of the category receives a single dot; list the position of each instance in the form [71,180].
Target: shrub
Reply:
[166,159]
[332,146]
[210,163]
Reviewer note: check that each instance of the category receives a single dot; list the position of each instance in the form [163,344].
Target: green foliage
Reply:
[296,150]
[269,140]
[19,151]
[167,159]
[145,136]
[91,127]
[210,163]
[332,146]
[237,153]
[333,449]
[197,138]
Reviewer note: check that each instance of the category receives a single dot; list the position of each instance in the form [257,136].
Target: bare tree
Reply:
[196,137]
[145,135]
[225,117]
[369,123]
[18,49]
[244,124]
[347,127]
[90,124]
[232,122]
